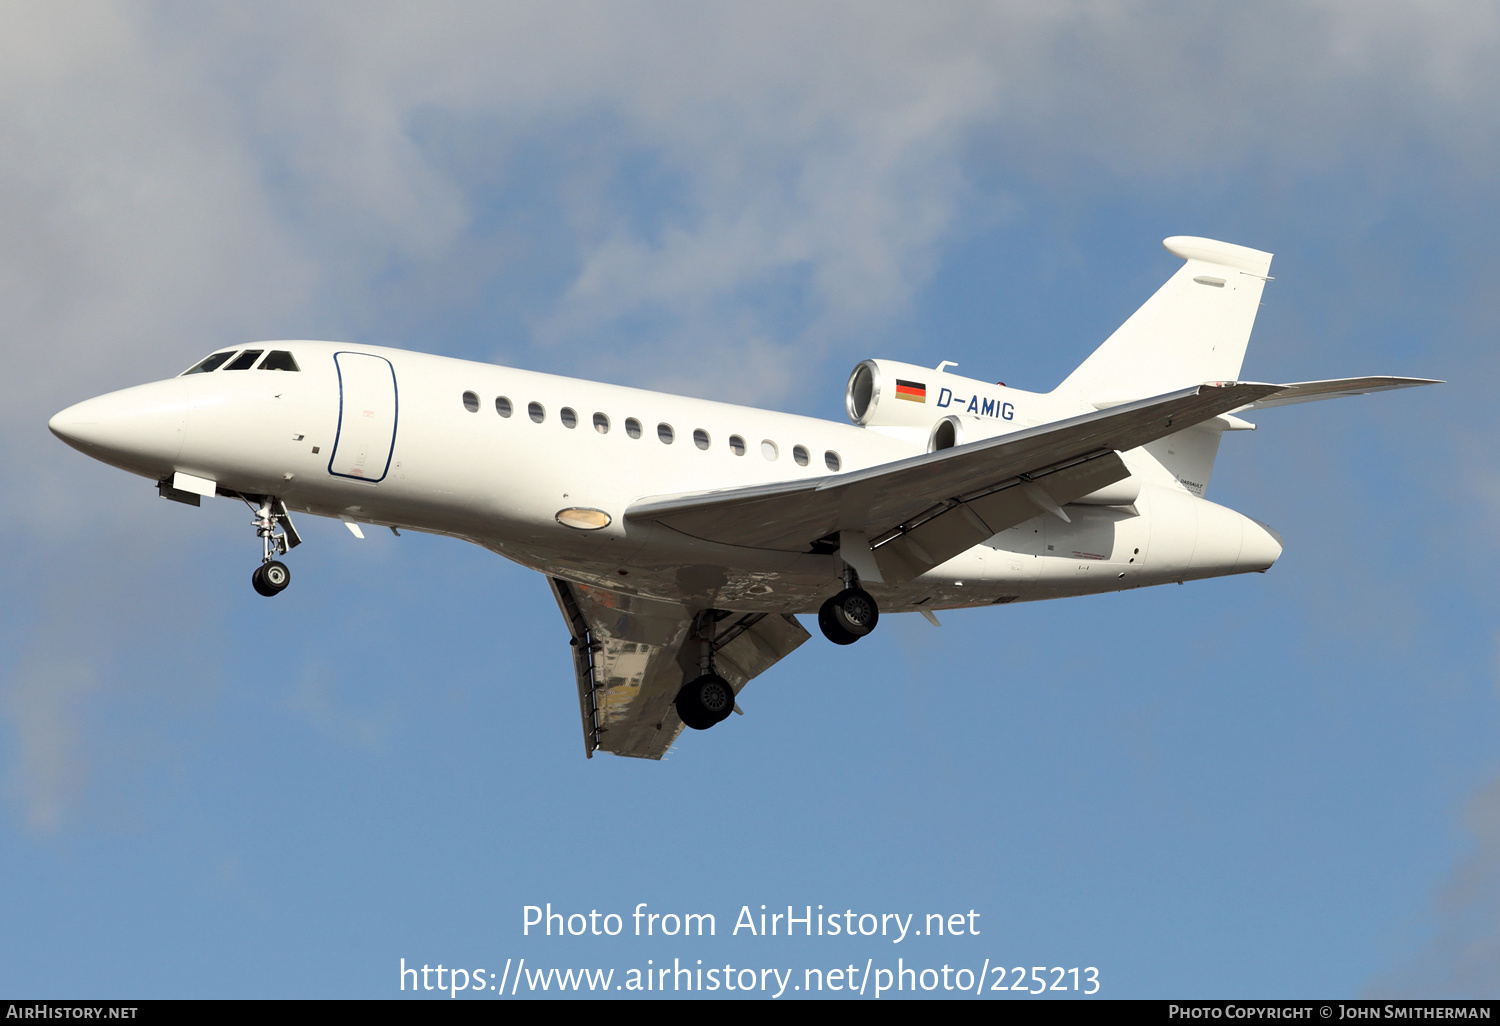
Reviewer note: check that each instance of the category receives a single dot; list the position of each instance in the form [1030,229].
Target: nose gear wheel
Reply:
[271,578]
[278,537]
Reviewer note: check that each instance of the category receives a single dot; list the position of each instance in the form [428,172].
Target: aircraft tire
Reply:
[276,575]
[855,611]
[829,624]
[258,582]
[271,578]
[704,701]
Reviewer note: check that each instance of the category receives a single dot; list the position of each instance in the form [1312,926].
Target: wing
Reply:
[632,655]
[1334,388]
[919,512]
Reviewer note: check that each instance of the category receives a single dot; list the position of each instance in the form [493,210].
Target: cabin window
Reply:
[213,363]
[502,406]
[799,453]
[245,360]
[568,417]
[536,412]
[737,445]
[632,427]
[279,359]
[665,433]
[601,423]
[831,461]
[768,449]
[471,402]
[700,438]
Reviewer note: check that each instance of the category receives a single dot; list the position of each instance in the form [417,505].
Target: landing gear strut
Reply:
[277,536]
[708,698]
[849,615]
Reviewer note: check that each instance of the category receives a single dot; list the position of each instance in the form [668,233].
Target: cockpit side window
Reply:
[245,360]
[210,364]
[280,360]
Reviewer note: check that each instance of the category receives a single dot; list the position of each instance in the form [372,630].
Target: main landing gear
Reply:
[849,615]
[708,698]
[277,536]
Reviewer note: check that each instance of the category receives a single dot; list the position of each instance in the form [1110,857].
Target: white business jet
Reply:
[680,535]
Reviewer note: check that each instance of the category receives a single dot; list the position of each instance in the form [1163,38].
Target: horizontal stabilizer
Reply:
[1334,388]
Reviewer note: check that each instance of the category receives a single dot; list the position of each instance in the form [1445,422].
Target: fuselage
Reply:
[496,456]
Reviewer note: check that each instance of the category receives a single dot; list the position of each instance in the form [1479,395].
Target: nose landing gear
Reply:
[849,615]
[277,536]
[708,698]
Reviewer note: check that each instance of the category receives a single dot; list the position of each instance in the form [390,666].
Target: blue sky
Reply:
[1278,785]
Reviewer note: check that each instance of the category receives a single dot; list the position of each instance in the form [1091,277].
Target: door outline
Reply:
[395,418]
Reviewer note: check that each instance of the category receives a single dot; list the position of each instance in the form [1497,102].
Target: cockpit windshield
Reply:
[276,360]
[245,360]
[280,360]
[210,364]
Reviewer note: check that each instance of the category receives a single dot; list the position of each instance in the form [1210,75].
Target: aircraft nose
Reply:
[72,425]
[137,428]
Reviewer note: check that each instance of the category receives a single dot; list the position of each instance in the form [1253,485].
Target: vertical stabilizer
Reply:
[1193,330]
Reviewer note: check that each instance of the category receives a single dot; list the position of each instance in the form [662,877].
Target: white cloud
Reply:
[1462,960]
[48,702]
[169,174]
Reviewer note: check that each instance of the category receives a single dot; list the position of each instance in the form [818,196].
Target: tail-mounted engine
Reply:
[950,408]
[941,410]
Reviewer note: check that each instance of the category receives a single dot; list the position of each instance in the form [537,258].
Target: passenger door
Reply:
[367,417]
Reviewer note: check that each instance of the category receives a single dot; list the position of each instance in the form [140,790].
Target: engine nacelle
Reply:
[884,393]
[945,409]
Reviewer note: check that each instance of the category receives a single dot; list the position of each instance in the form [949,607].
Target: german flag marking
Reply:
[915,391]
